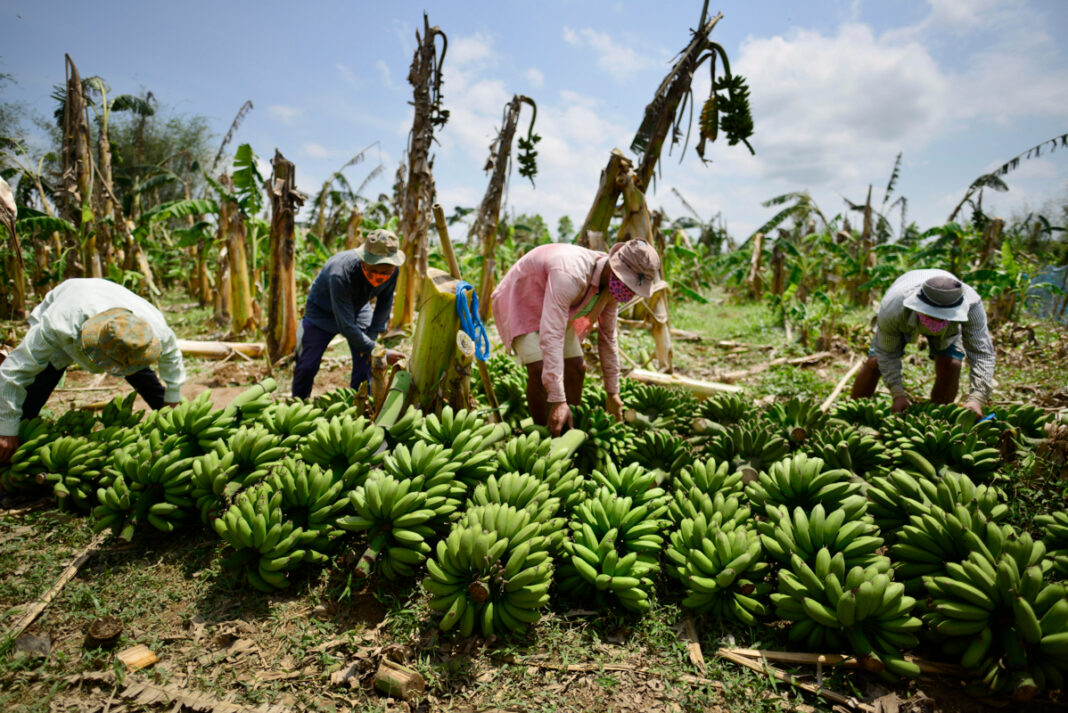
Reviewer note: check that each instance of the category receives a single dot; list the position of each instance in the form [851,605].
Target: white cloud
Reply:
[313,150]
[383,72]
[471,49]
[285,114]
[535,77]
[348,76]
[620,61]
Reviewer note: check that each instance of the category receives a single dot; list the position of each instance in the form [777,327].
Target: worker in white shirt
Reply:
[101,326]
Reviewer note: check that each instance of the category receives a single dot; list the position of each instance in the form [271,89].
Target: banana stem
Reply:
[367,560]
[393,405]
[565,446]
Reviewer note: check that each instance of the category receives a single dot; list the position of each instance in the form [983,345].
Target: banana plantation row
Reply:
[872,533]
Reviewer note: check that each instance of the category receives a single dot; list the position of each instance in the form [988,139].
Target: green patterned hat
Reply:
[119,342]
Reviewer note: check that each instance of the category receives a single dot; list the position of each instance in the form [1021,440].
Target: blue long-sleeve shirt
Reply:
[339,293]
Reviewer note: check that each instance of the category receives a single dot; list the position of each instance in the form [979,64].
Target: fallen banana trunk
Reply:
[696,386]
[220,350]
[751,371]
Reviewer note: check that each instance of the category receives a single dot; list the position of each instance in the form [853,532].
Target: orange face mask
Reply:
[377,278]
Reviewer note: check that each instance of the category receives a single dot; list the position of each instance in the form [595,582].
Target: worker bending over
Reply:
[339,303]
[104,328]
[550,301]
[950,314]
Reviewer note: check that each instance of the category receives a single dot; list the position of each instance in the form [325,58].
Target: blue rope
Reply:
[470,321]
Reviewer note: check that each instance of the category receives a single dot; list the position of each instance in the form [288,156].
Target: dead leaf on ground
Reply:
[35,645]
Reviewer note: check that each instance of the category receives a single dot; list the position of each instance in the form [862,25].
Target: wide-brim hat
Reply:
[119,342]
[380,247]
[636,263]
[941,297]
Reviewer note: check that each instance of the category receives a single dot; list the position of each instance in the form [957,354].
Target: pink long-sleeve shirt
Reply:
[542,293]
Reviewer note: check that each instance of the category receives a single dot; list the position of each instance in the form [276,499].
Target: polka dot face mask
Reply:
[931,324]
[619,291]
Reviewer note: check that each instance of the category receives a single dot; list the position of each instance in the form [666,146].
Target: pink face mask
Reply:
[619,291]
[931,324]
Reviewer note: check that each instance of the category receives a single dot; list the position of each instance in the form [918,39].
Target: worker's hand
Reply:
[559,416]
[614,405]
[974,406]
[900,404]
[8,446]
[393,356]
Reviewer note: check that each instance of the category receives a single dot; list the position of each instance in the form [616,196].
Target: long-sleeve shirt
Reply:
[55,338]
[543,292]
[898,325]
[339,293]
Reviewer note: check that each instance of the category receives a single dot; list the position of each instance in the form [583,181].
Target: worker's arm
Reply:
[608,350]
[17,374]
[345,314]
[981,357]
[888,343]
[171,368]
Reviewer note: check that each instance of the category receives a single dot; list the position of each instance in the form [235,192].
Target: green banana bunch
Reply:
[726,409]
[867,413]
[801,481]
[339,402]
[120,412]
[469,437]
[254,450]
[482,578]
[932,539]
[25,463]
[291,422]
[115,437]
[723,571]
[266,546]
[520,453]
[860,453]
[76,422]
[785,534]
[406,429]
[197,421]
[614,546]
[1056,539]
[702,484]
[250,403]
[659,450]
[398,522]
[1007,625]
[151,484]
[509,386]
[797,419]
[898,495]
[1027,420]
[633,481]
[657,403]
[523,492]
[213,483]
[973,457]
[74,467]
[608,439]
[313,499]
[748,448]
[431,469]
[831,606]
[347,446]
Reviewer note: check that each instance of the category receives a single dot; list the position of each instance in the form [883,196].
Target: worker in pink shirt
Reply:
[549,302]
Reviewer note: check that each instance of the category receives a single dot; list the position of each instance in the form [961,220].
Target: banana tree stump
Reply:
[434,342]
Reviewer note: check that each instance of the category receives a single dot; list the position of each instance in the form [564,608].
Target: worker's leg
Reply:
[867,379]
[537,396]
[148,385]
[311,344]
[947,351]
[39,391]
[574,376]
[947,379]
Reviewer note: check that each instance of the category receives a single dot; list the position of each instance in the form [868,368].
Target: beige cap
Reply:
[636,263]
[380,247]
[119,342]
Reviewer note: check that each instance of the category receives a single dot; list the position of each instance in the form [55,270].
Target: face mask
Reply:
[376,278]
[933,325]
[619,291]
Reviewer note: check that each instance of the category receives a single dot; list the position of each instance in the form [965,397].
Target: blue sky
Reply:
[838,89]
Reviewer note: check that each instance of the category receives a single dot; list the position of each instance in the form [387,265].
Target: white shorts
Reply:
[527,347]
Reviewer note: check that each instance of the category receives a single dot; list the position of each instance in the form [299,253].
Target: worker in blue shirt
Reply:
[339,303]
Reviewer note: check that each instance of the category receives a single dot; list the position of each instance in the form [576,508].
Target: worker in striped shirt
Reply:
[950,315]
[101,326]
